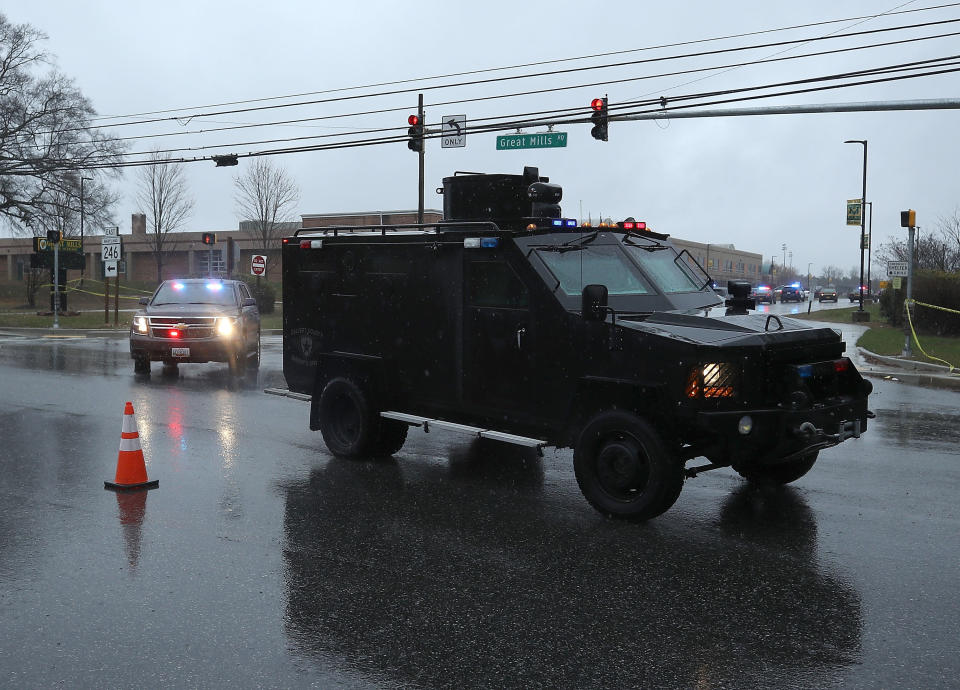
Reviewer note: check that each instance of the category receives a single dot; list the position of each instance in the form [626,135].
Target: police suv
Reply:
[507,321]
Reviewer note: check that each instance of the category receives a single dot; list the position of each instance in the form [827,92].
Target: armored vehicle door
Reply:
[499,336]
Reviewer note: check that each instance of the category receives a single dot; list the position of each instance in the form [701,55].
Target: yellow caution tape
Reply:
[907,304]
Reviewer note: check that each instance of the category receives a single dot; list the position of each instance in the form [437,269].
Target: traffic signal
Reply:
[599,118]
[416,133]
[908,219]
[54,236]
[209,238]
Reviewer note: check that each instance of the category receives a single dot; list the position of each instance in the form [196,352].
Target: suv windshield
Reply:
[603,264]
[659,262]
[194,292]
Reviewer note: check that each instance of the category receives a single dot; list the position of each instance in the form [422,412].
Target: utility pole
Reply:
[421,153]
[83,256]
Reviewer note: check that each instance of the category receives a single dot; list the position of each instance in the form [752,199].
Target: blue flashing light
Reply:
[489,242]
[178,286]
[216,287]
[571,223]
[558,222]
[805,371]
[796,285]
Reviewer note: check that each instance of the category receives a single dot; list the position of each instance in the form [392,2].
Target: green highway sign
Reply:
[540,140]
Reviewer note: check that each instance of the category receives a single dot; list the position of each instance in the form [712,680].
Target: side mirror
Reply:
[593,303]
[144,301]
[248,302]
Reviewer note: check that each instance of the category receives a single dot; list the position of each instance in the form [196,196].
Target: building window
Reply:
[206,256]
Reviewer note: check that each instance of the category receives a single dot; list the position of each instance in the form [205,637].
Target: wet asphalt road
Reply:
[262,561]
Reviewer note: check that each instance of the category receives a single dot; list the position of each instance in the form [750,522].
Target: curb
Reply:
[911,372]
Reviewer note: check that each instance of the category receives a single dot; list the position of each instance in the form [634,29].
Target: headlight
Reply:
[224,327]
[714,380]
[141,324]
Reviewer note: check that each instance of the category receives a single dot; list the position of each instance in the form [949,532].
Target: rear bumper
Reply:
[205,350]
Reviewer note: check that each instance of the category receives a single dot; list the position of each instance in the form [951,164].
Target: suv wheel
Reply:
[624,469]
[141,365]
[254,362]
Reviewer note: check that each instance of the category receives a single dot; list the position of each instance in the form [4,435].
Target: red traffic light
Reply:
[413,120]
[597,104]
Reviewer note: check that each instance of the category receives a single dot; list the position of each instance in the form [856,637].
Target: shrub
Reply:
[931,287]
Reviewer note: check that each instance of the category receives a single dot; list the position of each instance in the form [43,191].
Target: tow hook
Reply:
[808,430]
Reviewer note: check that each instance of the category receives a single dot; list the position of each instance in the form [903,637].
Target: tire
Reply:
[393,435]
[238,363]
[349,424]
[624,469]
[141,365]
[254,362]
[782,473]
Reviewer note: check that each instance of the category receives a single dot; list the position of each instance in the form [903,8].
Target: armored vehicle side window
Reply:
[494,284]
[661,265]
[597,264]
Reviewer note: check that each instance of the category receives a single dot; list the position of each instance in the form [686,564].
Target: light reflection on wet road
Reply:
[260,560]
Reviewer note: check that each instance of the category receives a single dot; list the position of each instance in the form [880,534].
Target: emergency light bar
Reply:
[564,223]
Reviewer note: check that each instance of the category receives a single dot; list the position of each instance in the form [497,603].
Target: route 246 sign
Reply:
[258,265]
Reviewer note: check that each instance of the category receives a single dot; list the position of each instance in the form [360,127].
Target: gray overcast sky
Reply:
[756,182]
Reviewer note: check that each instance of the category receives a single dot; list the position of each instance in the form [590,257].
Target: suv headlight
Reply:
[225,326]
[141,324]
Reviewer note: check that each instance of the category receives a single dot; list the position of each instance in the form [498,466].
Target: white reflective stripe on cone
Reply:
[130,444]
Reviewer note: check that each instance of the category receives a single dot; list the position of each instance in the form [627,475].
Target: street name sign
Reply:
[854,212]
[453,133]
[540,140]
[258,264]
[897,269]
[110,249]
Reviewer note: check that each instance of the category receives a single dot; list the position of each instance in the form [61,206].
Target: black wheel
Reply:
[238,363]
[393,435]
[623,468]
[781,473]
[141,365]
[349,424]
[254,362]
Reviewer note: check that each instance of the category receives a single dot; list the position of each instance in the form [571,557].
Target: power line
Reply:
[530,76]
[502,126]
[727,66]
[539,63]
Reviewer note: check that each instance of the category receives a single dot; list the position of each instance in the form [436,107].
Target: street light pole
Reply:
[869,249]
[863,217]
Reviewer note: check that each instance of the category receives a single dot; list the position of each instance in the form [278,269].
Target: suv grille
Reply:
[190,327]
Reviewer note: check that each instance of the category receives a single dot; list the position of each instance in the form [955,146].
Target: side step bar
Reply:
[474,431]
[426,423]
[287,393]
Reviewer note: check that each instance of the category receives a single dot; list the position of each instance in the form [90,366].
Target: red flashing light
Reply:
[597,104]
[174,333]
[642,225]
[286,240]
[841,365]
[413,120]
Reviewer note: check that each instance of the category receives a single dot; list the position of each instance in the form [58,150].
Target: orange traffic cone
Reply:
[131,468]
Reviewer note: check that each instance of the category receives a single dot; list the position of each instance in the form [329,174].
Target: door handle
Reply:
[520,333]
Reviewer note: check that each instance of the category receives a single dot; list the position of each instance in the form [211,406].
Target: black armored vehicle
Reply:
[508,321]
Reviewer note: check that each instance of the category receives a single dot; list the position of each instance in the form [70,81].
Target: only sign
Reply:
[258,264]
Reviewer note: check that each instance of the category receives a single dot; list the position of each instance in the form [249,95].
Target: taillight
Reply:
[311,244]
[841,364]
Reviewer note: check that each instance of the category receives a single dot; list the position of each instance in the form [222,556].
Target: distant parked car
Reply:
[854,295]
[828,294]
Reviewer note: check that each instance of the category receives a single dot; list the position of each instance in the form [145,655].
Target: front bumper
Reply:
[780,435]
[216,349]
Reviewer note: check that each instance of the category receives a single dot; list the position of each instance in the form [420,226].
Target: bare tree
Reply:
[832,275]
[266,196]
[163,197]
[46,142]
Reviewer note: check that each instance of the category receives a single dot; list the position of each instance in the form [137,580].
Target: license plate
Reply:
[179,351]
